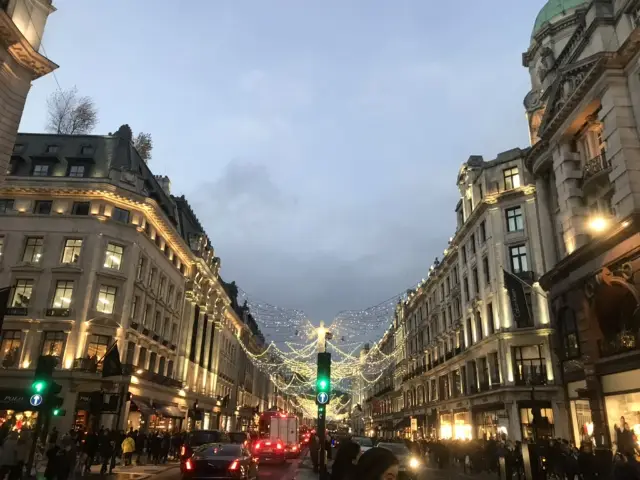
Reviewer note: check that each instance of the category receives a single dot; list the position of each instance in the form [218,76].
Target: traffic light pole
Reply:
[34,442]
[322,424]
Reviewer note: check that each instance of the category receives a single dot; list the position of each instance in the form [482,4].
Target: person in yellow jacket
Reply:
[128,447]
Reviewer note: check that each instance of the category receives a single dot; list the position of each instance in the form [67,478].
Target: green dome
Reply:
[555,8]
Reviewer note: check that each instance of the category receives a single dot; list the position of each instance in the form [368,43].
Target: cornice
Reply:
[21,50]
[112,193]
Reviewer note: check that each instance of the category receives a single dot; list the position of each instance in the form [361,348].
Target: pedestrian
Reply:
[344,466]
[314,451]
[377,464]
[128,447]
[9,454]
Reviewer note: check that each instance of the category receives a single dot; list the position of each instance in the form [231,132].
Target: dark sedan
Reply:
[218,461]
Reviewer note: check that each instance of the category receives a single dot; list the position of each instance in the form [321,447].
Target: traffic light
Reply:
[52,401]
[43,376]
[323,378]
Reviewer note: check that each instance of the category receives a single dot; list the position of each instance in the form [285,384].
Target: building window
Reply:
[152,361]
[142,358]
[120,215]
[53,344]
[41,170]
[473,243]
[71,251]
[165,329]
[106,299]
[18,148]
[170,291]
[134,307]
[530,365]
[81,208]
[491,327]
[515,220]
[465,283]
[480,191]
[113,258]
[140,268]
[52,149]
[63,294]
[177,301]
[86,150]
[511,178]
[6,205]
[478,321]
[42,207]
[145,317]
[22,294]
[131,352]
[76,171]
[174,332]
[97,346]
[518,256]
[161,365]
[526,421]
[476,282]
[161,287]
[1,247]
[156,323]
[152,277]
[464,253]
[483,231]
[486,271]
[170,368]
[569,331]
[33,250]
[10,348]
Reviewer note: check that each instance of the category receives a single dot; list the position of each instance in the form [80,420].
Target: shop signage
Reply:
[414,424]
[15,399]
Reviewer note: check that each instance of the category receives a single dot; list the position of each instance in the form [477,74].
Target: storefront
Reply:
[145,415]
[455,425]
[533,426]
[622,401]
[491,421]
[16,410]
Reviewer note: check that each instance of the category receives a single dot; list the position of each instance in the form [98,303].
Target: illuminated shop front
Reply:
[18,420]
[455,425]
[491,421]
[533,428]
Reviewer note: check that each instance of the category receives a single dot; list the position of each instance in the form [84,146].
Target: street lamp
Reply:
[598,224]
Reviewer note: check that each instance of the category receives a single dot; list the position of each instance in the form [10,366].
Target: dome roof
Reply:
[555,8]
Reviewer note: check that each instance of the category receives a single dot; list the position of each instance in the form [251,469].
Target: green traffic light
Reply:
[323,383]
[56,412]
[39,386]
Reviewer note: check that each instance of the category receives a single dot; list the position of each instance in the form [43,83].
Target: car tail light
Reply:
[267,444]
[234,465]
[183,450]
[278,446]
[188,465]
[294,448]
[257,445]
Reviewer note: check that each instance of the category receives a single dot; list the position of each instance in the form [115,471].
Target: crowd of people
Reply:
[78,453]
[549,460]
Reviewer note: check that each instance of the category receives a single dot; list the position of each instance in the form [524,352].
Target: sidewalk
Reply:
[136,472]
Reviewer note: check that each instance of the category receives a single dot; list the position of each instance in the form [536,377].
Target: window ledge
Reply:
[27,267]
[66,268]
[115,274]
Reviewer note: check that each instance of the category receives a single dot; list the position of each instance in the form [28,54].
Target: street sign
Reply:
[35,400]
[322,398]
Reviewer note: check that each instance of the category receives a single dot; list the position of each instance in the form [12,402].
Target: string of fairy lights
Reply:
[293,341]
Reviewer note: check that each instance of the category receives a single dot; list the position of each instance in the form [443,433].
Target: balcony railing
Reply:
[595,165]
[88,365]
[623,342]
[531,375]
[17,311]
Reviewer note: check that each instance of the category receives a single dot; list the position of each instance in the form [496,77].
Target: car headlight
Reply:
[414,463]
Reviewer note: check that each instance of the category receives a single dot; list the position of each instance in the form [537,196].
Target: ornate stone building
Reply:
[472,362]
[99,253]
[584,106]
[22,24]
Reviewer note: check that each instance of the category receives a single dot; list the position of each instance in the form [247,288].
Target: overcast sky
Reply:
[318,141]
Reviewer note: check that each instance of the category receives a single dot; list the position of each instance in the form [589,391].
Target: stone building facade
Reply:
[98,253]
[470,368]
[583,109]
[22,24]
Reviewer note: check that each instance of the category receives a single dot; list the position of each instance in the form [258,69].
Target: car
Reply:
[269,451]
[198,438]
[411,466]
[365,443]
[220,460]
[292,451]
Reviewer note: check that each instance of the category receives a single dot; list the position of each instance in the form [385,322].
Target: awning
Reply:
[139,405]
[169,411]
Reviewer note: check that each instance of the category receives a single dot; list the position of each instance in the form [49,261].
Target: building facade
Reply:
[470,368]
[22,24]
[100,254]
[583,110]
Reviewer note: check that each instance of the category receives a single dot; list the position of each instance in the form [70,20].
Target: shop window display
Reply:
[492,424]
[455,426]
[17,421]
[10,348]
[543,429]
[624,407]
[582,421]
